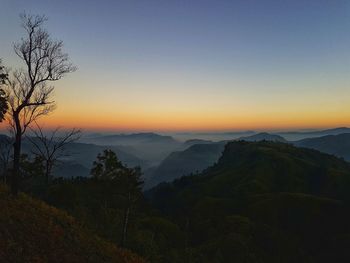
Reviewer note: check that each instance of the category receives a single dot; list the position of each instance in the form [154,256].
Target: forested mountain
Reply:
[263,202]
[198,156]
[260,202]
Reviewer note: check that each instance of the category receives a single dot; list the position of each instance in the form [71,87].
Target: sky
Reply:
[195,65]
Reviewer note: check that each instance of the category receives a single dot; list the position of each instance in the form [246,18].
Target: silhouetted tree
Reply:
[127,182]
[31,167]
[3,97]
[107,166]
[50,148]
[28,90]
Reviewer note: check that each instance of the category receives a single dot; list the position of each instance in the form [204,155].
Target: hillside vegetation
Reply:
[32,231]
[263,202]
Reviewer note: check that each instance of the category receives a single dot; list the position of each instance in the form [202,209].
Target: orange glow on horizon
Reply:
[191,122]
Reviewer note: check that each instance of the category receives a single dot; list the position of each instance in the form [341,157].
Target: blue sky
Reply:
[196,65]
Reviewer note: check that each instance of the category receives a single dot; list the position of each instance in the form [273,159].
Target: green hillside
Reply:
[263,202]
[264,167]
[32,231]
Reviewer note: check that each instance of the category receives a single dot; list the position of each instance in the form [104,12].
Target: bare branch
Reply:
[28,90]
[51,147]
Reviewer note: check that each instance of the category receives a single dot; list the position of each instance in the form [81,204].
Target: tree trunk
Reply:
[47,172]
[5,173]
[16,162]
[125,225]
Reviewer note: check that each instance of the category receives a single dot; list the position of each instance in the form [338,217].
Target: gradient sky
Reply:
[195,65]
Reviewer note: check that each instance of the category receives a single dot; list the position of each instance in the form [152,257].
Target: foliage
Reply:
[235,211]
[262,202]
[107,166]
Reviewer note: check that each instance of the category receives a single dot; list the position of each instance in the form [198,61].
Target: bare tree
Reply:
[50,148]
[28,90]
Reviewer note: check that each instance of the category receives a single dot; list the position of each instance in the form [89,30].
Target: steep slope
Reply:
[262,167]
[338,145]
[200,155]
[194,159]
[267,167]
[31,231]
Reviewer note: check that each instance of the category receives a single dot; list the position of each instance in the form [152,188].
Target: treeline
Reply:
[111,204]
[262,202]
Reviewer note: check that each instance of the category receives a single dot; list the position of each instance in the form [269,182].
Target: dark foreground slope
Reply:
[31,231]
[263,202]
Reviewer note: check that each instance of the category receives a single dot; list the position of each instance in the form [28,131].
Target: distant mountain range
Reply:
[338,145]
[150,147]
[202,154]
[85,154]
[192,160]
[264,136]
[197,141]
[164,158]
[294,136]
[80,157]
[288,135]
[265,167]
[128,139]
